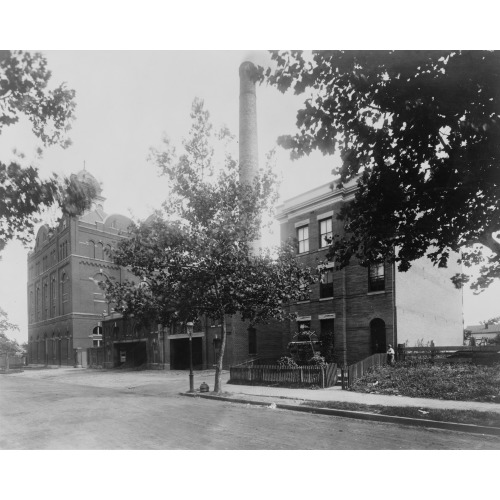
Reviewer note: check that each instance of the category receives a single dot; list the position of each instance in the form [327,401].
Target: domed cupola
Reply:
[85,177]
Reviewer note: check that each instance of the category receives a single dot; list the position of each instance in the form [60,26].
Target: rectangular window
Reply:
[376,277]
[325,232]
[303,237]
[326,284]
[303,325]
[252,341]
[326,326]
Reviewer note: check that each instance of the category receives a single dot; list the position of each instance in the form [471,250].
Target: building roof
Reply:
[481,329]
[323,195]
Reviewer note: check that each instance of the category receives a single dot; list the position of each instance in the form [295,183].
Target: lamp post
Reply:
[189,327]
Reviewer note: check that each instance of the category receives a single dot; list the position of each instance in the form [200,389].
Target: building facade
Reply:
[365,308]
[65,304]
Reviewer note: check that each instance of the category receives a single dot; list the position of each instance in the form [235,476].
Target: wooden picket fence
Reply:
[352,372]
[276,375]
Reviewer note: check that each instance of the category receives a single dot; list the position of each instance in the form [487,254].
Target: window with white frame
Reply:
[303,238]
[325,232]
[376,277]
[326,283]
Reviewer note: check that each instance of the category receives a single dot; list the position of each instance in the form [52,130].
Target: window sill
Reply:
[325,298]
[379,292]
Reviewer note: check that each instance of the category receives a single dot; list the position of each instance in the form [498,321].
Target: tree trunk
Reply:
[218,367]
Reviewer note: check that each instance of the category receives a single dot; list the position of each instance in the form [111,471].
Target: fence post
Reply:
[301,375]
[322,377]
[342,378]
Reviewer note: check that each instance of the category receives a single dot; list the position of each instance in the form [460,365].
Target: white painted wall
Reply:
[428,306]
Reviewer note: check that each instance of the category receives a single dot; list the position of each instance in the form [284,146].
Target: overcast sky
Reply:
[126,101]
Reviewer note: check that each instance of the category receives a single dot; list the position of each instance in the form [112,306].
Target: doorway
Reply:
[377,335]
[131,354]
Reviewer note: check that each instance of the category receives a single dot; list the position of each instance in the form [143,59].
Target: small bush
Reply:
[327,347]
[317,360]
[287,362]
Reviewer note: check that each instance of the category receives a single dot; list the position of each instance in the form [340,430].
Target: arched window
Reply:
[53,297]
[97,336]
[99,251]
[45,301]
[32,308]
[38,308]
[107,252]
[65,293]
[91,249]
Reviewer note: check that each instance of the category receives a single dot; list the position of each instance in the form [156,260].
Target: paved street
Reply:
[87,409]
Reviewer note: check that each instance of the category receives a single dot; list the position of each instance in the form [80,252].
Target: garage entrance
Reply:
[179,353]
[130,354]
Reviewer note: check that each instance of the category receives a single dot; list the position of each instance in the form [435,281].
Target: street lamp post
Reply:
[189,327]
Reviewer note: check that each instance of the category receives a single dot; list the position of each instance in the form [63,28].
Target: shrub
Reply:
[287,362]
[317,360]
[327,347]
[420,378]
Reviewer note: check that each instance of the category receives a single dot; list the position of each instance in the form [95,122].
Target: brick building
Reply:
[366,308]
[65,304]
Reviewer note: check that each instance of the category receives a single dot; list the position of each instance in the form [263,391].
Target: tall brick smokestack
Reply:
[249,157]
[249,163]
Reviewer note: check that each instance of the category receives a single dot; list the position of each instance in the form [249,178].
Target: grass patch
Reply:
[424,379]
[488,418]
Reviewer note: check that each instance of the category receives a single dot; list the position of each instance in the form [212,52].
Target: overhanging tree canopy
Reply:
[24,91]
[421,131]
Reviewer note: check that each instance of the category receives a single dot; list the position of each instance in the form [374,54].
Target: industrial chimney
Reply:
[248,150]
[249,163]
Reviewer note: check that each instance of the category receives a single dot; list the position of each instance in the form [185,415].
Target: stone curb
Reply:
[419,422]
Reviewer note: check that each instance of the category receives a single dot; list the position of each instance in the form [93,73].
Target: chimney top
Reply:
[248,71]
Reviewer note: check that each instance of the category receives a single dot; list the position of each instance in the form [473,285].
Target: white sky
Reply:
[127,100]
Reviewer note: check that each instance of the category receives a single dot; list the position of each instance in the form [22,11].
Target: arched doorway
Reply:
[377,335]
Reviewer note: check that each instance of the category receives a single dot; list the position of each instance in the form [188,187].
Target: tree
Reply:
[420,130]
[196,259]
[24,80]
[491,321]
[7,345]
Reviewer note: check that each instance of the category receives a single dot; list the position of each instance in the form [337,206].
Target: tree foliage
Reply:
[195,259]
[7,345]
[420,130]
[24,90]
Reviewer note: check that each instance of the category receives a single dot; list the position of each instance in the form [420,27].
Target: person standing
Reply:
[390,355]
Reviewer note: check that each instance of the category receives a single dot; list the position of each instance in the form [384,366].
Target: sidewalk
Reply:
[338,395]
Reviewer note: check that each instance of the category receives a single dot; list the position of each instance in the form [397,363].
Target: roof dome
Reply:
[87,178]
